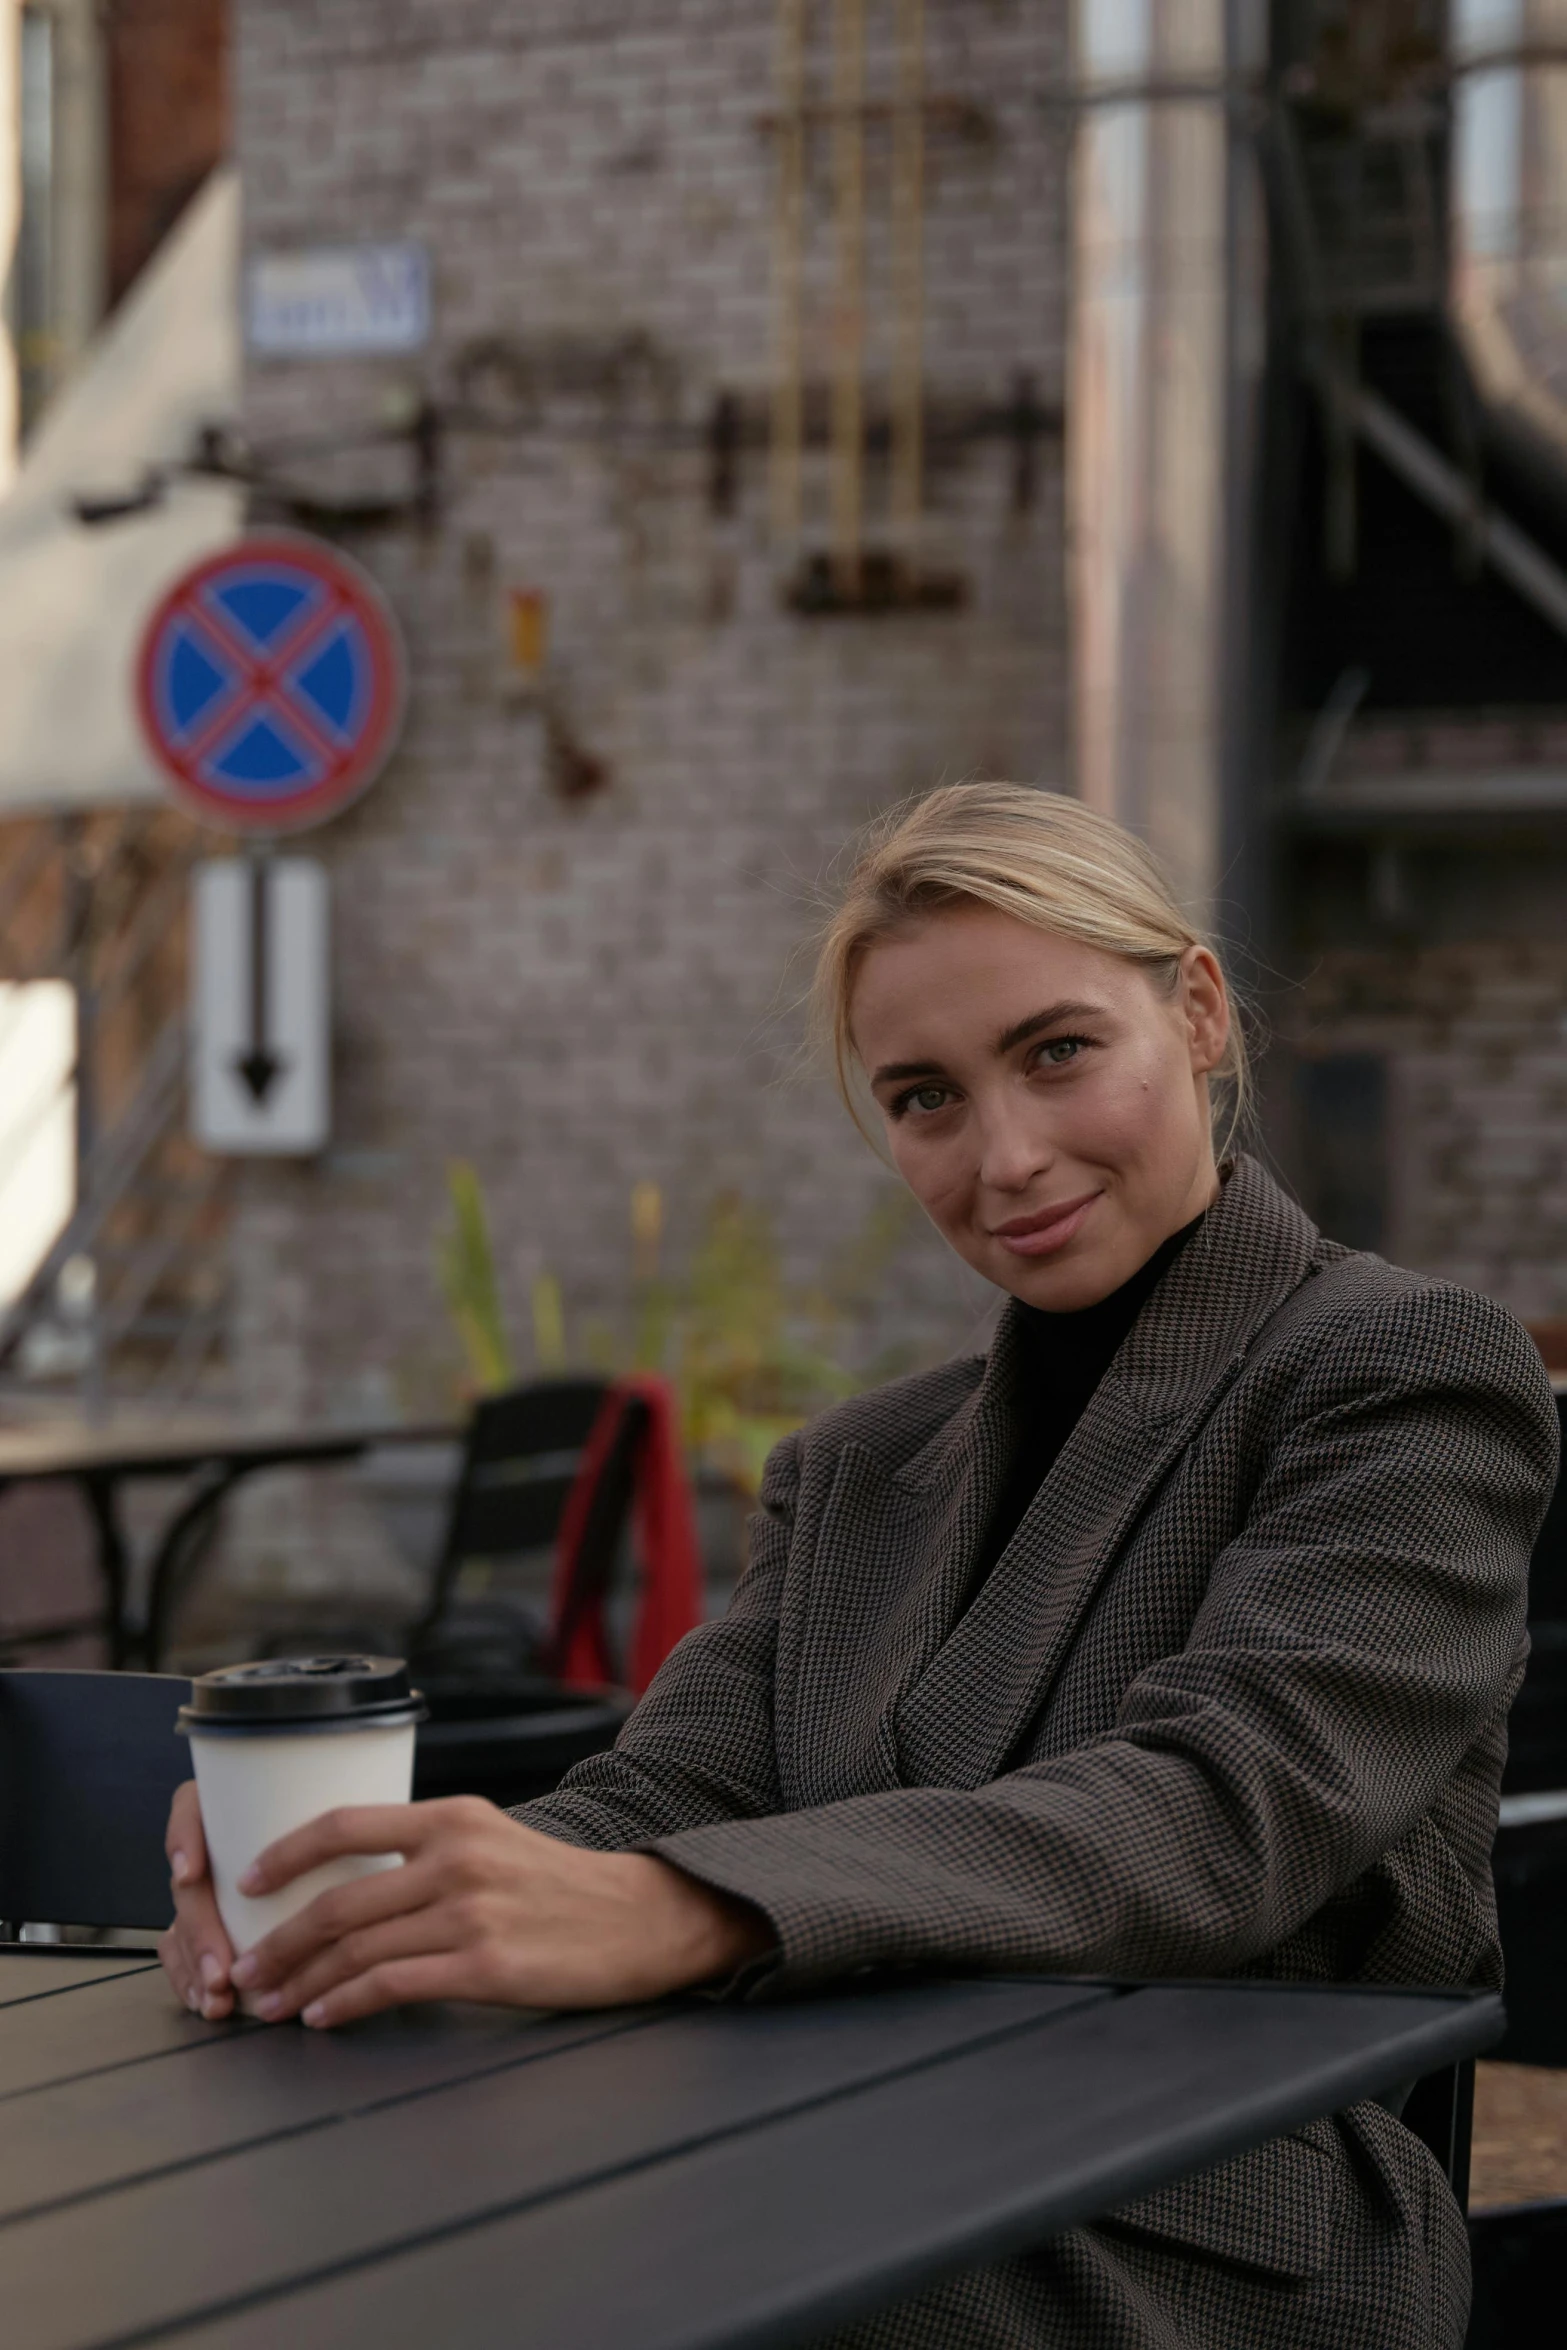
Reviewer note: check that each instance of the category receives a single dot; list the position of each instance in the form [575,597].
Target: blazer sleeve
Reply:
[700,1746]
[1356,1638]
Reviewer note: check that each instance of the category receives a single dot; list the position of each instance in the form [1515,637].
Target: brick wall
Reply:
[1434,943]
[580,995]
[1474,1032]
[167,78]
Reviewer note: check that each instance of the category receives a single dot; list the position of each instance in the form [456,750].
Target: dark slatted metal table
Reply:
[674,2178]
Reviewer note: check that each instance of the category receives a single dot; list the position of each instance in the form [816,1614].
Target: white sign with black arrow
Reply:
[260,1010]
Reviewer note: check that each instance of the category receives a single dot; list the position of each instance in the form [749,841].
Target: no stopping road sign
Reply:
[271,683]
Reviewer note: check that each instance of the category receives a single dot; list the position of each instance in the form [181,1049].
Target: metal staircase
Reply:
[127,1309]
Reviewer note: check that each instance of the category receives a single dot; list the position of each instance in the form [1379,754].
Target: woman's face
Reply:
[1045,1102]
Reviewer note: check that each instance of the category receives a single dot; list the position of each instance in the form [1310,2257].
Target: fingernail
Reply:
[179,1868]
[250,1882]
[193,2000]
[243,1972]
[211,1970]
[269,2006]
[314,2014]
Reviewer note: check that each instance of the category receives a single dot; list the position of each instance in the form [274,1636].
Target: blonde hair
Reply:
[1044,859]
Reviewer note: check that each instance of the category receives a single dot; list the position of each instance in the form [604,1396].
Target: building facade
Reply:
[650,697]
[1414,561]
[721,498]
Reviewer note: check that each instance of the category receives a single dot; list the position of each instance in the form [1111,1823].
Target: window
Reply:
[1342,1106]
[52,208]
[37,1124]
[35,325]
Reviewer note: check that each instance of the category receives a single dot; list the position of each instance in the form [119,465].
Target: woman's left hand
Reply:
[483,1908]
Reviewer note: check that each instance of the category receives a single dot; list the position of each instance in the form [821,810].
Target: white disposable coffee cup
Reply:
[277,1743]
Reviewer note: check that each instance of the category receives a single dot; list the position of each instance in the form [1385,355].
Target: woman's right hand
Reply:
[195,1951]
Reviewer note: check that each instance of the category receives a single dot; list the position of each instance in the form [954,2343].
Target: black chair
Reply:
[520,1460]
[1529,1865]
[1519,2257]
[1440,2110]
[1529,1870]
[520,1456]
[89,1763]
[500,1723]
[1537,1727]
[88,1767]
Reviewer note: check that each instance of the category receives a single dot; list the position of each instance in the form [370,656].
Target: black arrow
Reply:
[258,1067]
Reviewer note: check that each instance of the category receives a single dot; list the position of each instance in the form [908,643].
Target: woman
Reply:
[1174,1636]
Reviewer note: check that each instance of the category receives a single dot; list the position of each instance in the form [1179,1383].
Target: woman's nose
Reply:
[1012,1152]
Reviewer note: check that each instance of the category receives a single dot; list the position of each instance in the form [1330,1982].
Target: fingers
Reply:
[333,1916]
[195,1951]
[397,1982]
[184,1841]
[421,1934]
[199,1976]
[353,1828]
[204,1958]
[176,1965]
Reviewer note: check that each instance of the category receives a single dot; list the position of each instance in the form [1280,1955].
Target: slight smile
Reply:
[1047,1230]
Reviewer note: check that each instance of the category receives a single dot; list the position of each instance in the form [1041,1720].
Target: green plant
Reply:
[467,1268]
[749,1355]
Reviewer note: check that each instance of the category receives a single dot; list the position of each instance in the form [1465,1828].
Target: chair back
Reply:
[88,1767]
[1537,1725]
[1529,1862]
[520,1458]
[1440,2111]
[1548,1567]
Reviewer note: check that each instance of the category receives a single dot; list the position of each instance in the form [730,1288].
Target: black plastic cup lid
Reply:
[301,1689]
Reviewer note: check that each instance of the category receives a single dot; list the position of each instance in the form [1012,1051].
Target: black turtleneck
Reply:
[1061,1360]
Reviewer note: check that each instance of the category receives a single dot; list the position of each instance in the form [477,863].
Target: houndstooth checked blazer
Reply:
[1233,1700]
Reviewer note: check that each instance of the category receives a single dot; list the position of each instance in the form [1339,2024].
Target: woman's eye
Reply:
[926,1100]
[1060,1050]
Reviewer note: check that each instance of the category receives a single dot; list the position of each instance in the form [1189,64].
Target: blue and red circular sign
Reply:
[271,683]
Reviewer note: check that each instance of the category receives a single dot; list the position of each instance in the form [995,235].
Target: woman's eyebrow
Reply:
[892,1072]
[1051,1017]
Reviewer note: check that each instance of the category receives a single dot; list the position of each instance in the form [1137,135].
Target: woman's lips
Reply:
[1042,1234]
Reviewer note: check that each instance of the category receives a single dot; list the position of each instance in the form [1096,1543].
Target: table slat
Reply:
[36,1972]
[79,2136]
[142,2257]
[115,2020]
[770,2236]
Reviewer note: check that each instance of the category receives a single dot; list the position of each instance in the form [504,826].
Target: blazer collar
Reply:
[1255,1246]
[1253,1249]
[965,1701]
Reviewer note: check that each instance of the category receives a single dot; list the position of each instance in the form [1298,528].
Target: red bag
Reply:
[669,1602]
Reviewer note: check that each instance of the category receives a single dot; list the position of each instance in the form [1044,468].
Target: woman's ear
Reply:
[1205,1000]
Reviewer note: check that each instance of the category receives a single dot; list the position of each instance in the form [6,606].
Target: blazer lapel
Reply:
[959,1719]
[893,1554]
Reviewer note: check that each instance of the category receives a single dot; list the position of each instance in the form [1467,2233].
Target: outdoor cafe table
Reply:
[217,1455]
[682,2178]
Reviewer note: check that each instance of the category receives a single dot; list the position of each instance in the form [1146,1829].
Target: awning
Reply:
[75,596]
